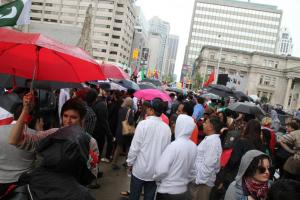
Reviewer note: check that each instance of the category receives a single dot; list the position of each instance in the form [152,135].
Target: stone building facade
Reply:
[273,76]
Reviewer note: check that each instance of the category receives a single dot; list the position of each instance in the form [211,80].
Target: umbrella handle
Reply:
[38,48]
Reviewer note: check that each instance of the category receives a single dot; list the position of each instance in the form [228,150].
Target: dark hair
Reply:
[216,123]
[200,100]
[188,108]
[224,118]
[91,96]
[252,168]
[180,97]
[76,105]
[293,125]
[286,189]
[158,106]
[252,132]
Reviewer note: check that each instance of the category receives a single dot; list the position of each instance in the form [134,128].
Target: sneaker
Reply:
[115,167]
[105,160]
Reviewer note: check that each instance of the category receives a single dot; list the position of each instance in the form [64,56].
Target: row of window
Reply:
[239,10]
[232,41]
[254,27]
[232,36]
[271,63]
[233,17]
[266,80]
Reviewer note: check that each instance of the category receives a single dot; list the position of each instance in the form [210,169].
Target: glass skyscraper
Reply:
[233,24]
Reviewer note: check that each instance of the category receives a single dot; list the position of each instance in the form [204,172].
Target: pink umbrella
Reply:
[113,71]
[149,94]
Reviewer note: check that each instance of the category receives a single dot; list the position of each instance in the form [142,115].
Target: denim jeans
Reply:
[136,186]
[161,196]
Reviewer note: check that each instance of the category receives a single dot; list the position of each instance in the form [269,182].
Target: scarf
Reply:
[255,189]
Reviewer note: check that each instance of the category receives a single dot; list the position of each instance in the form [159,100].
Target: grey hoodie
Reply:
[235,189]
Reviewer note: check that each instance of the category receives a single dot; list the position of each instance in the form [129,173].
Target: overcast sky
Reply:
[179,12]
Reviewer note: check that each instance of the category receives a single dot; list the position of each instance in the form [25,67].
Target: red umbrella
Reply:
[149,94]
[37,57]
[112,71]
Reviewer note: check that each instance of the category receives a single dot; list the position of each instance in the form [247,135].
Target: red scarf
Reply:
[256,190]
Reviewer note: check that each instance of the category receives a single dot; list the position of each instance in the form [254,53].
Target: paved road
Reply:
[112,183]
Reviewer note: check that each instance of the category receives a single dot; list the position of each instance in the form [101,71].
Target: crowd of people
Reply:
[53,143]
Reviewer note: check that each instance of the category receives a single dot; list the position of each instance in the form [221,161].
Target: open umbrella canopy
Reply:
[247,108]
[9,81]
[210,96]
[127,84]
[172,89]
[220,90]
[34,56]
[155,82]
[149,94]
[146,85]
[113,71]
[241,95]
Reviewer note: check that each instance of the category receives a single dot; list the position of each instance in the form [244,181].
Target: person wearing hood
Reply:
[175,168]
[208,160]
[275,121]
[252,180]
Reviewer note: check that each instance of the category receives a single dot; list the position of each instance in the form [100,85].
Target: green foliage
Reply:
[264,99]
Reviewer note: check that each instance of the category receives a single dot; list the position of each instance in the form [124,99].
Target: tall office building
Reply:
[140,38]
[285,46]
[233,24]
[170,55]
[158,37]
[111,30]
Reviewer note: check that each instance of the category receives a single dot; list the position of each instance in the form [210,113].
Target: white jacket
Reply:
[176,166]
[150,139]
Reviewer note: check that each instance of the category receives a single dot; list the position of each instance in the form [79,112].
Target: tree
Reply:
[264,100]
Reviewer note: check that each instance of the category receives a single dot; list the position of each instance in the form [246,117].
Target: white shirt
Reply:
[64,95]
[150,139]
[208,160]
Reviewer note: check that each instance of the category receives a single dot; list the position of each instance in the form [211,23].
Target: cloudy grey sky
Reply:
[179,12]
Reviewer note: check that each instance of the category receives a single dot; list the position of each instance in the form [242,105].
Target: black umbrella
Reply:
[240,95]
[127,84]
[8,81]
[155,82]
[220,90]
[247,108]
[146,85]
[175,90]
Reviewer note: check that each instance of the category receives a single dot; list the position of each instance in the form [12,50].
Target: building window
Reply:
[120,5]
[118,21]
[113,53]
[116,29]
[212,56]
[103,50]
[115,36]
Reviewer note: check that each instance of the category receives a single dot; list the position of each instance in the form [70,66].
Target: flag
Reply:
[210,79]
[15,13]
[143,73]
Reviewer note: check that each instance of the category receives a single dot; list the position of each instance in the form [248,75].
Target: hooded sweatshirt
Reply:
[175,168]
[235,190]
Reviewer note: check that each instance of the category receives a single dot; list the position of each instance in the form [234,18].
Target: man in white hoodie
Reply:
[176,167]
[151,138]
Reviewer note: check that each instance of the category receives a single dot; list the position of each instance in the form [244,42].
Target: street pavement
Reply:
[112,183]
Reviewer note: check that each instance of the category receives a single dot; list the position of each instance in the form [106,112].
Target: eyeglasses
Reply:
[262,169]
